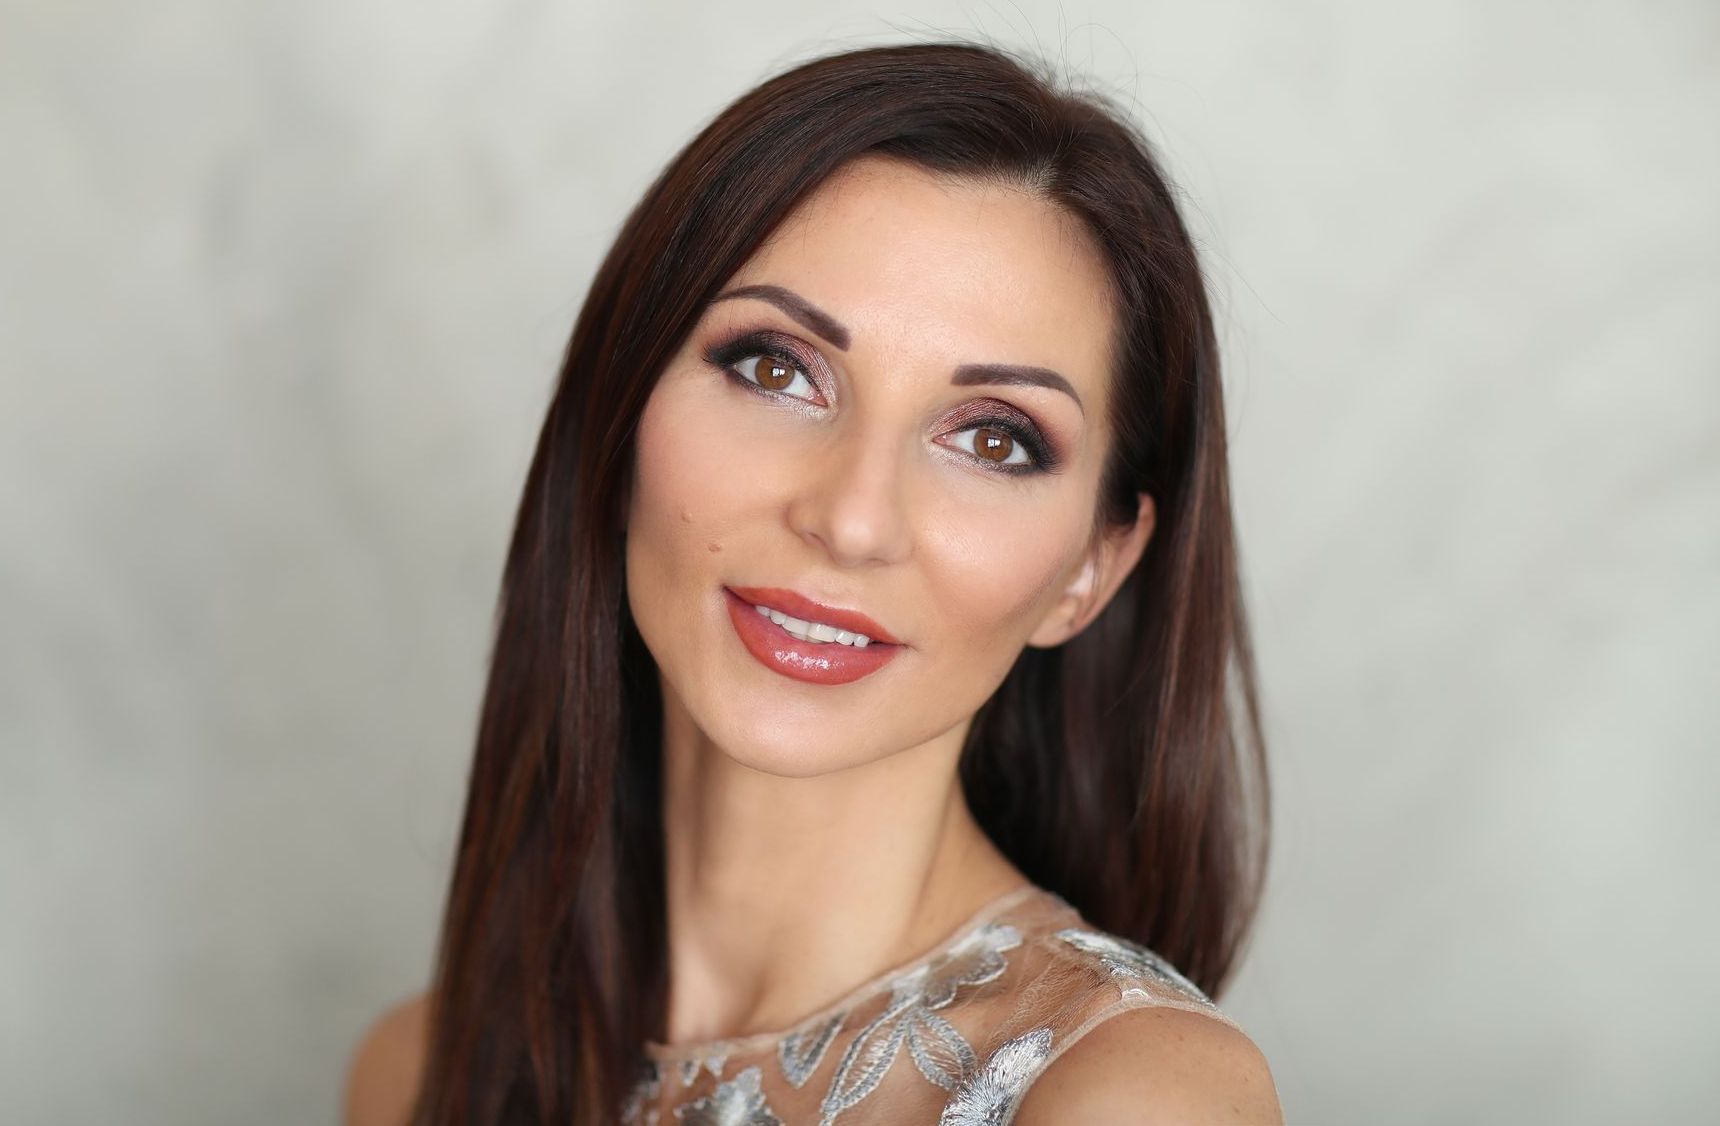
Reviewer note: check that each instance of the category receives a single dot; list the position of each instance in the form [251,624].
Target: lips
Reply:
[799,606]
[826,663]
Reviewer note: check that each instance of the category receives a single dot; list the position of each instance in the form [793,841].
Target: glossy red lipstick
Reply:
[810,661]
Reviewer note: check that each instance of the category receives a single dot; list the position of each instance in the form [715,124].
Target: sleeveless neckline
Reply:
[662,1052]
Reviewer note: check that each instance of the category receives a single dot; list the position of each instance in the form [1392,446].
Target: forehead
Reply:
[918,263]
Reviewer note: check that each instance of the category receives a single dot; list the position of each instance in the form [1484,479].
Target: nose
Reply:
[853,501]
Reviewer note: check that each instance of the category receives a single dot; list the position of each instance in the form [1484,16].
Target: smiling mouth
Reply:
[816,633]
[811,621]
[801,655]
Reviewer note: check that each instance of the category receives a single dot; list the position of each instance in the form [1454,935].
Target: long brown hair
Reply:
[1123,770]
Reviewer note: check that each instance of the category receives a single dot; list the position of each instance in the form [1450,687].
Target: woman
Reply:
[857,744]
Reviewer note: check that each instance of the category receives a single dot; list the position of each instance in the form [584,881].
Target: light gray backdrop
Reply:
[282,291]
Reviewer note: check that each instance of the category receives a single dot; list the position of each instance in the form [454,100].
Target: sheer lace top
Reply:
[954,1037]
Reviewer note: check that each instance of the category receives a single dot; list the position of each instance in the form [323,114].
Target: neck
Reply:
[785,893]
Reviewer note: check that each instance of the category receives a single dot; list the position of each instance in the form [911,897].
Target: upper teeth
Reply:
[814,631]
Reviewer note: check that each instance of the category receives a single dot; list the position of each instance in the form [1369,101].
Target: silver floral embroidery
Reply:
[990,1095]
[801,1052]
[689,1069]
[739,1102]
[936,1046]
[939,1051]
[1132,962]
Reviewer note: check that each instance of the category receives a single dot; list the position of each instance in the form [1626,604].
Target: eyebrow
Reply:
[967,375]
[795,306]
[1018,374]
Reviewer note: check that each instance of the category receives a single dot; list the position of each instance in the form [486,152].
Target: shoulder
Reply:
[382,1076]
[1154,1064]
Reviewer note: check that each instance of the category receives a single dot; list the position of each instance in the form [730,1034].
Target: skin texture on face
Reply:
[861,483]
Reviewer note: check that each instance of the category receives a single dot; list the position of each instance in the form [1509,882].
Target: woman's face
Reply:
[830,429]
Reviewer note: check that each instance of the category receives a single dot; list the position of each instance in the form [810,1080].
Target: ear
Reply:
[1108,561]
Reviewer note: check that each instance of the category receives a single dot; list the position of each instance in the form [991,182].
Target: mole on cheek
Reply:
[714,548]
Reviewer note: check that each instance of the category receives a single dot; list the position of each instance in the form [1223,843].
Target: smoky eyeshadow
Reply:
[758,343]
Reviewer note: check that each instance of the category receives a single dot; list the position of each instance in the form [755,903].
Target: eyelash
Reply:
[724,357]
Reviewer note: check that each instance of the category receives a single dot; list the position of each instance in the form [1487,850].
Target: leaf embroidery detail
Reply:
[801,1052]
[938,1049]
[940,1052]
[864,1063]
[738,1102]
[1132,962]
[975,960]
[714,1063]
[989,1096]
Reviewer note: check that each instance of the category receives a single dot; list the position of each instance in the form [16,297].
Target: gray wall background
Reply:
[282,291]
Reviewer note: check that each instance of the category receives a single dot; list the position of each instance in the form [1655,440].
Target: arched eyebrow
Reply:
[795,306]
[969,374]
[832,330]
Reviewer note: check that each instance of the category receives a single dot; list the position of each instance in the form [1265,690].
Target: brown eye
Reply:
[773,373]
[1001,448]
[993,445]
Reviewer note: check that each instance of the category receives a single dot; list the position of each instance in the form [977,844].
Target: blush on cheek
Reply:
[1014,610]
[697,467]
[999,565]
[660,509]
[687,508]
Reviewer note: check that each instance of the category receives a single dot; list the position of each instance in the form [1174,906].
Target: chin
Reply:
[779,749]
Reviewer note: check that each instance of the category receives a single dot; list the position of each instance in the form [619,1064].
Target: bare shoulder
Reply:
[382,1077]
[1155,1065]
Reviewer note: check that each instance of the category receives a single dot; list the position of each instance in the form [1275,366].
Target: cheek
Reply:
[668,496]
[995,569]
[689,493]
